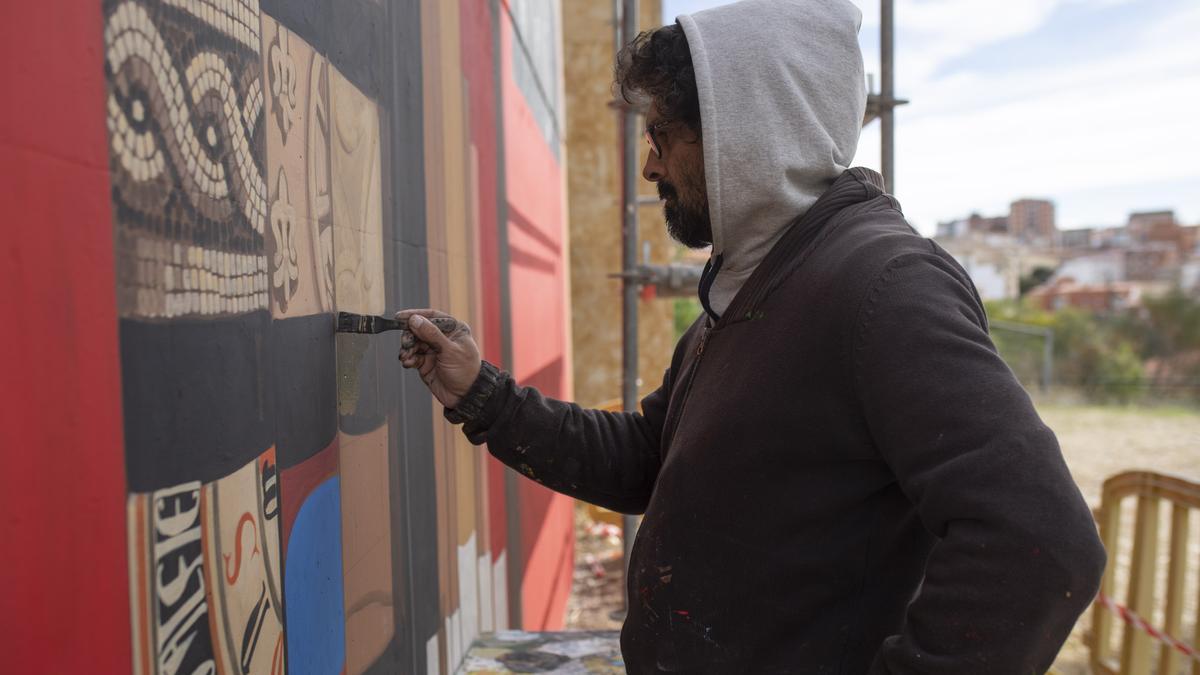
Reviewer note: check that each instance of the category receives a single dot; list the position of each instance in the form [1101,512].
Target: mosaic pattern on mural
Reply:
[185,125]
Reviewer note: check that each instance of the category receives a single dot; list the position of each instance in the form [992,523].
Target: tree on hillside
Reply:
[1035,278]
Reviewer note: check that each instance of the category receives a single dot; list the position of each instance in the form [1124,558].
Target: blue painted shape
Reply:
[316,626]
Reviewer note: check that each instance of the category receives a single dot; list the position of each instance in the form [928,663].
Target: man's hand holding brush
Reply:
[448,362]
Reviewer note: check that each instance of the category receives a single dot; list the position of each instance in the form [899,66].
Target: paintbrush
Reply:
[348,322]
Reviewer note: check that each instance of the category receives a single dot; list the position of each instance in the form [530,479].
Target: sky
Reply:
[1094,104]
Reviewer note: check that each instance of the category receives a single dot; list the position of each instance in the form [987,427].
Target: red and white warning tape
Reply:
[1138,622]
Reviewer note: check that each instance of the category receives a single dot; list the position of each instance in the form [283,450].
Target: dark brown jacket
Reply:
[839,475]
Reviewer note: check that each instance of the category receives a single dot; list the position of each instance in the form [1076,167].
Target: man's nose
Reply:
[654,170]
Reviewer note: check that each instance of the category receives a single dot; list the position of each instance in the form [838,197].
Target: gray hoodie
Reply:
[782,98]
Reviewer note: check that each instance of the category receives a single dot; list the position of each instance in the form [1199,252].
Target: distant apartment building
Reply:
[1097,268]
[1102,267]
[1152,261]
[1110,237]
[1060,293]
[1189,276]
[1028,220]
[1108,280]
[1161,227]
[973,224]
[996,263]
[1076,240]
[1032,220]
[1147,226]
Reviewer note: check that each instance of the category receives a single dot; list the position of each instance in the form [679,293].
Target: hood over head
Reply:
[782,98]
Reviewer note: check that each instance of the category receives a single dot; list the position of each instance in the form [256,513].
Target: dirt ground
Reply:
[598,586]
[1097,442]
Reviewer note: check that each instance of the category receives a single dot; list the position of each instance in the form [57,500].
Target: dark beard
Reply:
[686,223]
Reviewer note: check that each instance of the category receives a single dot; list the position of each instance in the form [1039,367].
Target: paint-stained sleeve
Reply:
[1018,558]
[610,459]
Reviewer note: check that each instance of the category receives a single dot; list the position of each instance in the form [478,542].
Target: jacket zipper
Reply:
[699,352]
[687,388]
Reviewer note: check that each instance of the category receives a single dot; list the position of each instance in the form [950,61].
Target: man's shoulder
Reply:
[863,240]
[855,255]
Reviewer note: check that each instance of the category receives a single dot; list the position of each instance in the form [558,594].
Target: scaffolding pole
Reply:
[887,118]
[629,263]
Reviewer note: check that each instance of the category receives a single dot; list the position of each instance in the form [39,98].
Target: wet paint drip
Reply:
[351,349]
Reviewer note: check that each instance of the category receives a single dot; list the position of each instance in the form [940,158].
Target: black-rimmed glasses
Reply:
[652,136]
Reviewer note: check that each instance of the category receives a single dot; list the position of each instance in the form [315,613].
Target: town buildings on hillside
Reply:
[1100,269]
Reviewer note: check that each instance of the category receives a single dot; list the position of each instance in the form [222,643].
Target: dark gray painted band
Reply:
[235,386]
[352,37]
[413,478]
[302,372]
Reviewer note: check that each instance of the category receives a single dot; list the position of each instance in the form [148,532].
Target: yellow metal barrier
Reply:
[1150,623]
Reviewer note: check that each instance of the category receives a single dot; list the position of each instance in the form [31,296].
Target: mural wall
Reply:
[279,498]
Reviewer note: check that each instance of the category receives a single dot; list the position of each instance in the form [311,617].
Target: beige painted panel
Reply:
[300,220]
[356,186]
[366,546]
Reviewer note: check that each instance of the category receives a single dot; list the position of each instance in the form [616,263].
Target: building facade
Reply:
[594,186]
[1032,220]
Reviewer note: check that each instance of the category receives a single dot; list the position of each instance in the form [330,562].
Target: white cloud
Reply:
[1095,135]
[971,141]
[939,31]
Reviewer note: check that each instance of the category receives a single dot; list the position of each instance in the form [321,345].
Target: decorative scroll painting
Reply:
[298,118]
[240,521]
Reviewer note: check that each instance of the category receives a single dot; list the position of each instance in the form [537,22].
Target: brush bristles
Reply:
[348,322]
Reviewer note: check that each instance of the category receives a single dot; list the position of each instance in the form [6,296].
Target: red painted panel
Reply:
[549,534]
[479,71]
[62,489]
[540,315]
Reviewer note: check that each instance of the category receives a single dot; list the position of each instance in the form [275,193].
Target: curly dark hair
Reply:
[657,66]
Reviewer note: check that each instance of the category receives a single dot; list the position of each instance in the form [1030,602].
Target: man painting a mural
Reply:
[838,473]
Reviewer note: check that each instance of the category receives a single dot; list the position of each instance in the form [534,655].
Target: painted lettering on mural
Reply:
[184,644]
[208,570]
